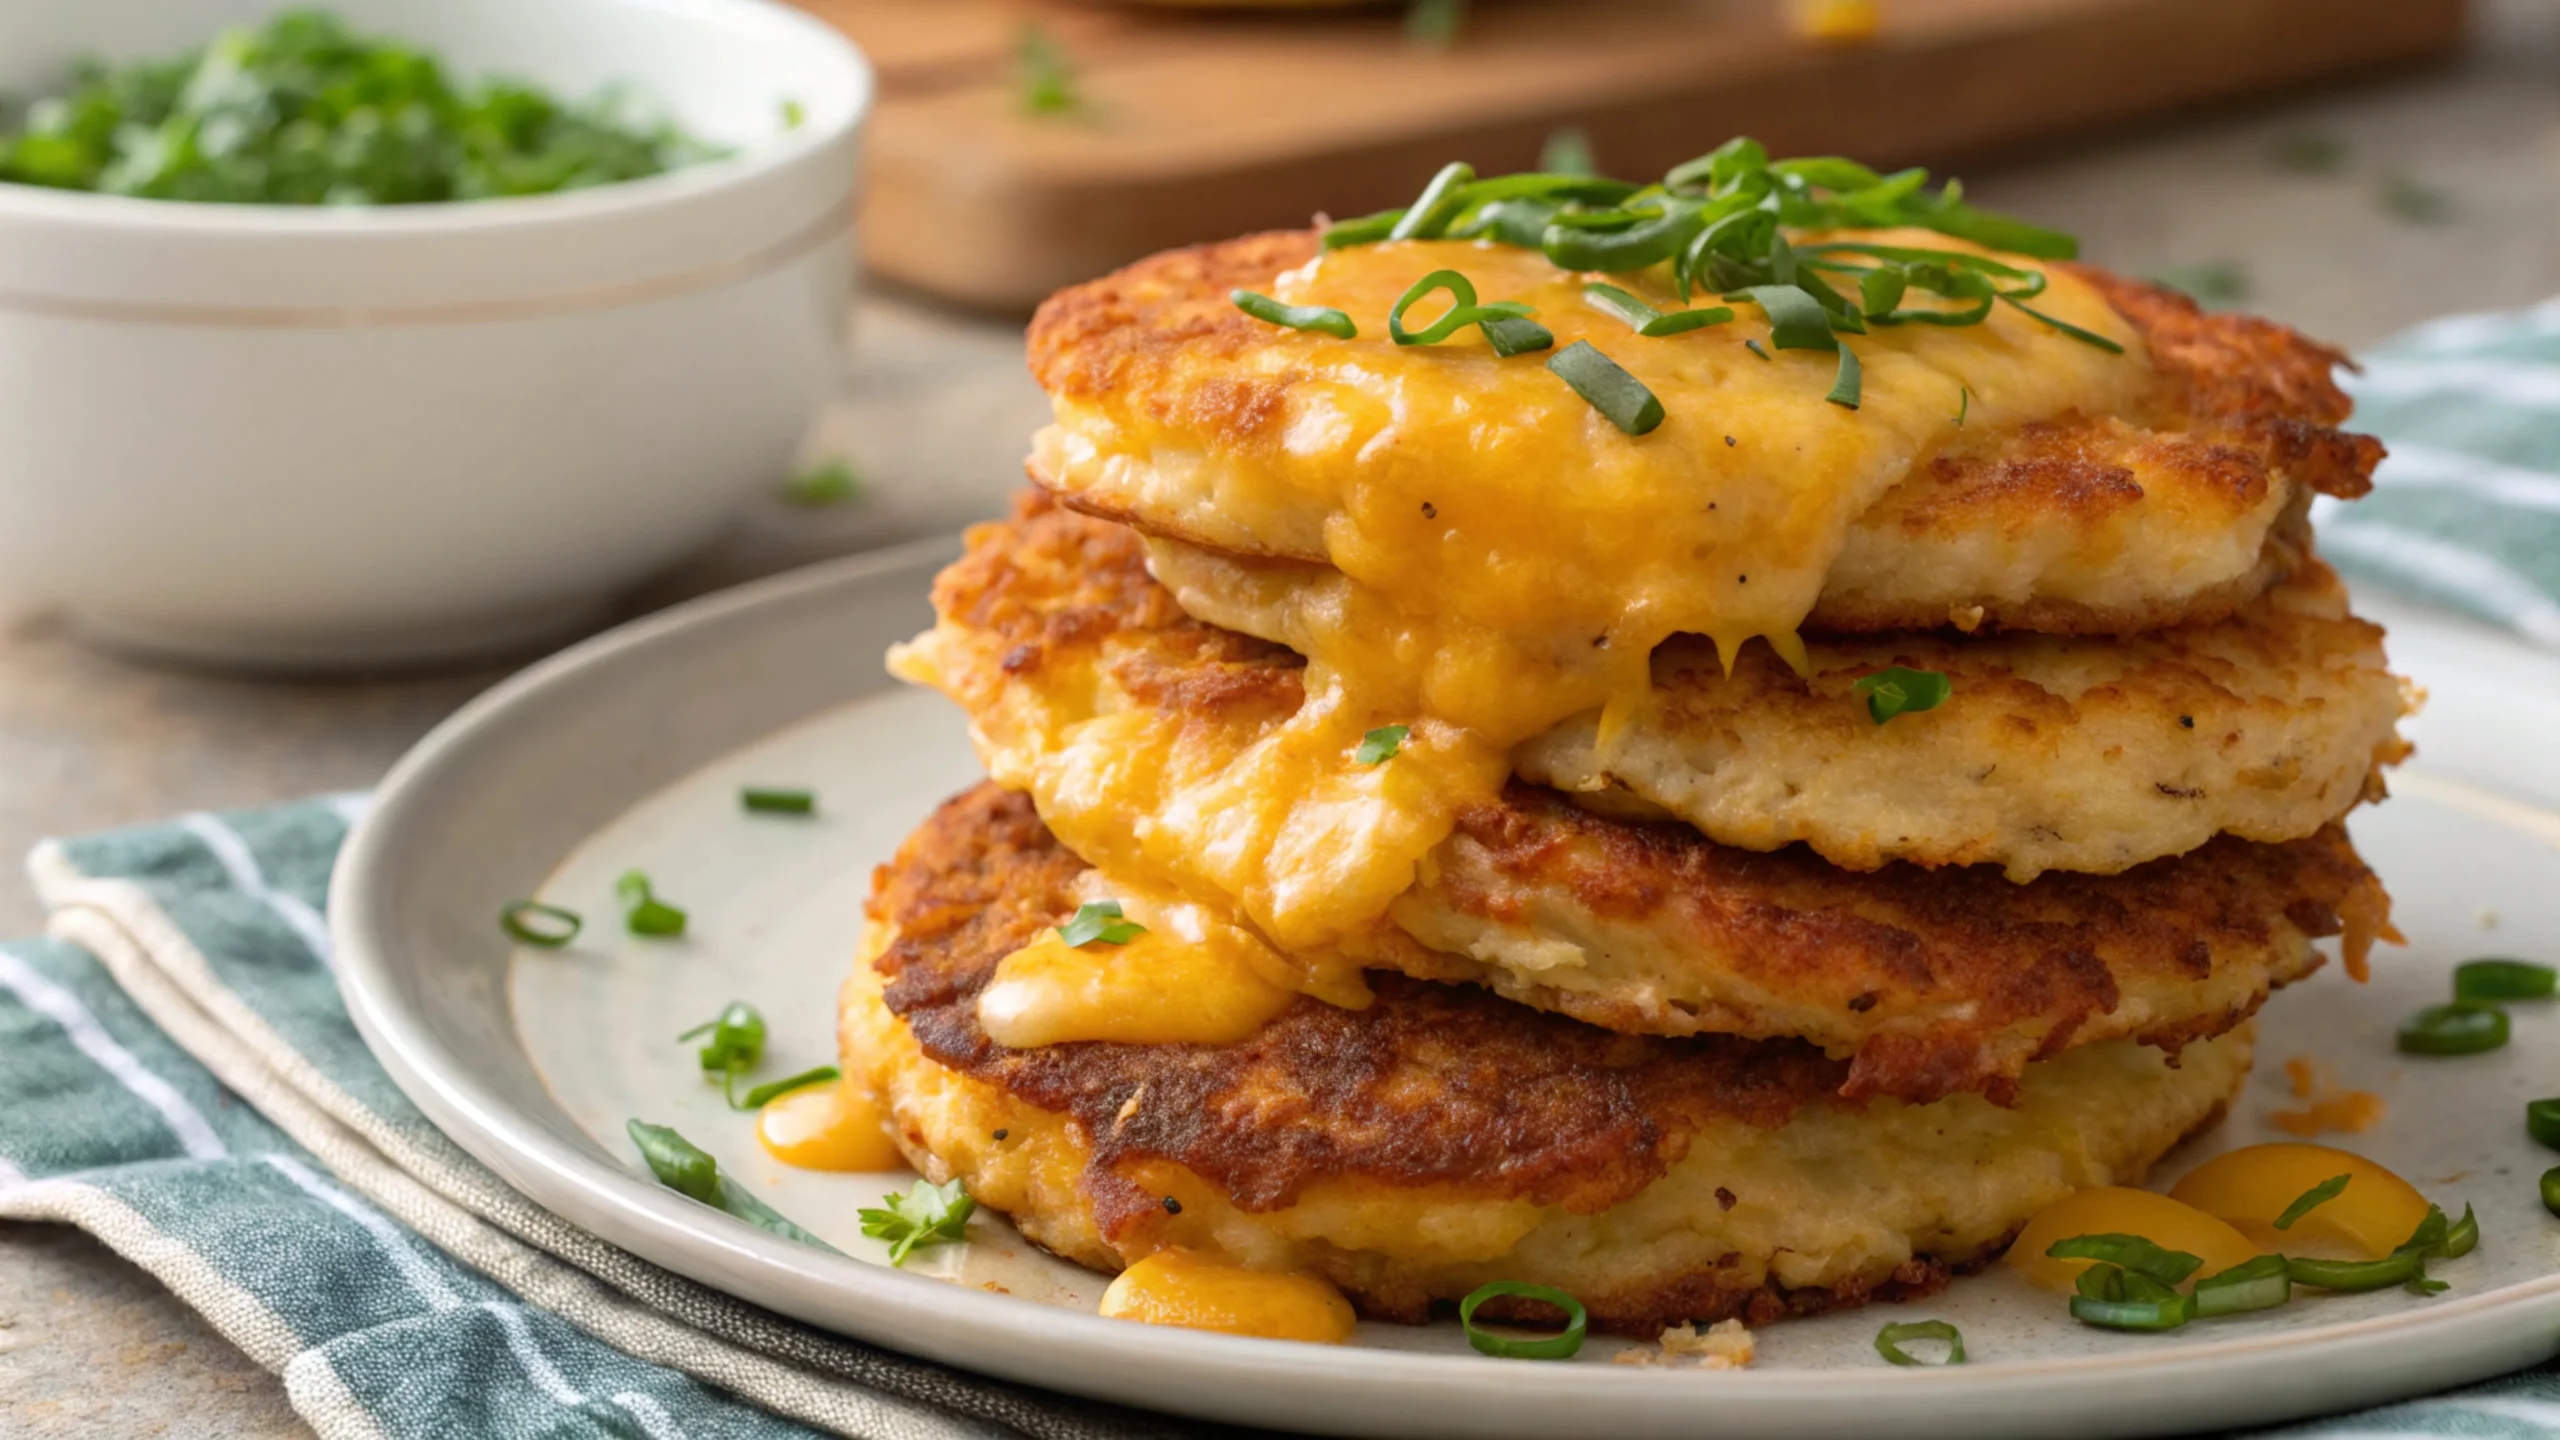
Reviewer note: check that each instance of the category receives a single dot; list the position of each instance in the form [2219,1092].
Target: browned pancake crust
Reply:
[2240,405]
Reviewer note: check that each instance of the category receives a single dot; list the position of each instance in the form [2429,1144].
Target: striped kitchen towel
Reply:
[179,1078]
[2466,512]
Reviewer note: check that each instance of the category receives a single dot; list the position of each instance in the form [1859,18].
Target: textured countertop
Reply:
[2445,196]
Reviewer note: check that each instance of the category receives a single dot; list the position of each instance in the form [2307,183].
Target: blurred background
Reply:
[2349,167]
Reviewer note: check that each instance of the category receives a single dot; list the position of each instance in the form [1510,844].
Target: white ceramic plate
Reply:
[629,751]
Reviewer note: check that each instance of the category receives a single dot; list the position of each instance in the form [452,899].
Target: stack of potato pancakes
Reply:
[1452,822]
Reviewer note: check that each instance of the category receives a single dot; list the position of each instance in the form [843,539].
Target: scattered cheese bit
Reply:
[1834,22]
[1725,1345]
[2332,1109]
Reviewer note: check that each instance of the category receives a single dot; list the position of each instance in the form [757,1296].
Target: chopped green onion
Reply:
[687,1170]
[737,1039]
[760,800]
[2551,1189]
[1563,1345]
[831,482]
[2312,1199]
[643,913]
[1099,920]
[1681,322]
[1428,217]
[927,1214]
[1295,317]
[1897,691]
[557,927]
[1609,389]
[2430,1235]
[1620,304]
[2398,1268]
[1511,335]
[1380,745]
[794,114]
[2425,1286]
[1044,74]
[2142,1315]
[1889,1341]
[2462,1237]
[2541,1119]
[2503,980]
[1796,320]
[1364,230]
[1754,347]
[1964,404]
[2461,1028]
[2131,1253]
[1845,388]
[1463,310]
[1567,152]
[2260,1284]
[2085,337]
[757,1098]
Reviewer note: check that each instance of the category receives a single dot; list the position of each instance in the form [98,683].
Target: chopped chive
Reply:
[1563,1345]
[1463,310]
[926,1214]
[831,482]
[2461,1028]
[1099,920]
[1889,1341]
[2398,1268]
[643,913]
[1897,691]
[1681,322]
[1845,387]
[2429,1237]
[1964,404]
[1511,335]
[2164,1313]
[1754,347]
[1797,321]
[772,1090]
[763,801]
[1295,317]
[2312,1199]
[2085,337]
[2551,1189]
[1380,745]
[686,1169]
[2128,1252]
[1567,152]
[1609,389]
[556,927]
[2542,1121]
[737,1039]
[1428,217]
[1620,304]
[2260,1284]
[2462,1237]
[1363,230]
[1045,76]
[2503,980]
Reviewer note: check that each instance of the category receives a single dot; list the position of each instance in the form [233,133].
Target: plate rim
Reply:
[1336,1389]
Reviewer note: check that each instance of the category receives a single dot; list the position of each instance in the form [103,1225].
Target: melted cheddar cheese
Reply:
[827,1127]
[1503,557]
[1177,1287]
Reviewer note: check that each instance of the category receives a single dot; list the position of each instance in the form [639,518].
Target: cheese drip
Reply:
[827,1127]
[1502,558]
[1177,1287]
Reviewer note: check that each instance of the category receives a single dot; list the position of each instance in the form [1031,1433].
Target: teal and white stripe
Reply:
[2466,511]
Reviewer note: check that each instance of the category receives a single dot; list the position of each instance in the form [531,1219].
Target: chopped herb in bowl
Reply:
[304,111]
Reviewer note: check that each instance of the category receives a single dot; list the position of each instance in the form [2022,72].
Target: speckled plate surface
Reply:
[629,751]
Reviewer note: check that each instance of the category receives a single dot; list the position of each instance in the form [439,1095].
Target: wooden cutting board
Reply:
[1198,125]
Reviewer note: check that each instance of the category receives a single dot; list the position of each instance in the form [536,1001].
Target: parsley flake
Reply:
[1380,745]
[1099,920]
[928,1214]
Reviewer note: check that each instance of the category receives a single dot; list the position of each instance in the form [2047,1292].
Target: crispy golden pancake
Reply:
[1930,982]
[1442,1137]
[2173,493]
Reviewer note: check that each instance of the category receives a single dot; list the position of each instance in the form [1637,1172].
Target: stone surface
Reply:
[936,413]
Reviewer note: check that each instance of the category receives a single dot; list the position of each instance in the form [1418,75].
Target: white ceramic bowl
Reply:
[290,436]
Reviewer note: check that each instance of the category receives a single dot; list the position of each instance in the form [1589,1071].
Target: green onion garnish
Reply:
[1563,1345]
[2085,337]
[1099,920]
[1754,347]
[926,1214]
[1889,1341]
[1964,404]
[2312,1199]
[1619,303]
[1362,230]
[1609,389]
[757,1098]
[2117,1299]
[1380,745]
[2461,1028]
[1845,388]
[2131,1253]
[760,800]
[1796,319]
[2503,980]
[1511,335]
[1897,691]
[2399,1268]
[687,1170]
[2551,1189]
[2429,1237]
[1428,217]
[545,927]
[1567,152]
[735,1047]
[1296,317]
[643,913]
[2260,1284]
[831,482]
[2541,1119]
[1681,322]
[2462,1237]
[1047,79]
[1463,310]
